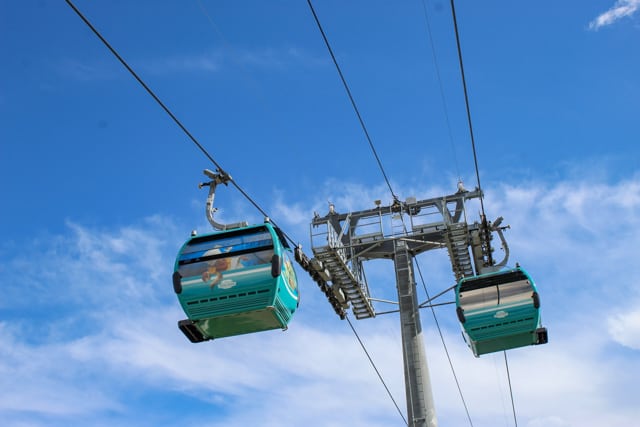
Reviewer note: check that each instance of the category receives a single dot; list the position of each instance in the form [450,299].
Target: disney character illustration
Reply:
[213,274]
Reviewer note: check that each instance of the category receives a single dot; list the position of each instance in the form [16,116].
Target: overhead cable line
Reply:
[143,84]
[375,153]
[251,83]
[377,371]
[353,102]
[206,153]
[455,158]
[442,97]
[446,350]
[435,318]
[168,111]
[513,406]
[466,101]
[475,159]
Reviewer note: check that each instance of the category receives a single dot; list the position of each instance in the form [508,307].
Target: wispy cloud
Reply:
[209,62]
[86,71]
[625,327]
[619,10]
[43,379]
[274,58]
[206,62]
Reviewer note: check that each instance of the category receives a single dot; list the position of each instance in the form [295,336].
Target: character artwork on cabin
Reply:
[213,274]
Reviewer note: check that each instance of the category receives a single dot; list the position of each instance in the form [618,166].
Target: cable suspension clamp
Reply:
[221,177]
[482,248]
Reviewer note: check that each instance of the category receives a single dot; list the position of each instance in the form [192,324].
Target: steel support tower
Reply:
[341,243]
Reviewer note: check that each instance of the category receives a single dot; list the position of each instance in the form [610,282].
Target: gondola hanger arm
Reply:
[219,177]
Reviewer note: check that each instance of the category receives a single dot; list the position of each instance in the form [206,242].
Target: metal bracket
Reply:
[482,250]
[217,178]
[317,272]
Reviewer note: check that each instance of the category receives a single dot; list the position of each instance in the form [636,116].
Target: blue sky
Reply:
[99,190]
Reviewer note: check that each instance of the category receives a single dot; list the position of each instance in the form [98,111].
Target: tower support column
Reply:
[420,407]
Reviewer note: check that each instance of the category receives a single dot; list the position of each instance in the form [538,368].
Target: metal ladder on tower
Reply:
[352,284]
[457,239]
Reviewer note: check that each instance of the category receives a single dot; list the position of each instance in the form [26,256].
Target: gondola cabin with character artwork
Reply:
[235,281]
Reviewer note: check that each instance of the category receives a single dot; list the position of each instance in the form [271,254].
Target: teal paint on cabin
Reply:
[227,286]
[499,311]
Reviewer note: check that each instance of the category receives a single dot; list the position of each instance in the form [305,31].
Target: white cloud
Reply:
[291,214]
[573,225]
[42,379]
[625,328]
[549,421]
[130,340]
[619,10]
[105,318]
[92,266]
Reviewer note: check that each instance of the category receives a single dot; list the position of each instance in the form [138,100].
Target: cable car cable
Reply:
[219,167]
[455,158]
[375,153]
[168,111]
[442,96]
[466,101]
[206,153]
[377,371]
[353,102]
[143,84]
[251,82]
[475,159]
[513,406]
[446,350]
[435,318]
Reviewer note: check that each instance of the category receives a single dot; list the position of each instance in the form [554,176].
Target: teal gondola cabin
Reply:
[499,311]
[235,282]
